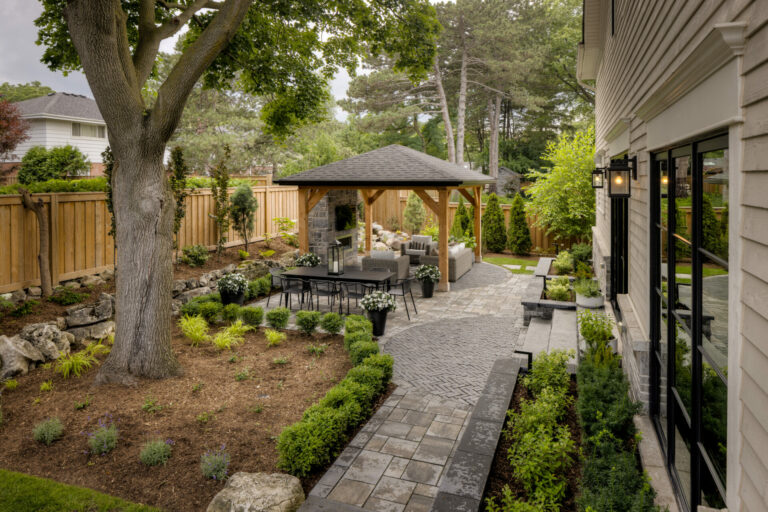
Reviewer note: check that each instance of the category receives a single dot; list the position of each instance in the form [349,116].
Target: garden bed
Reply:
[202,410]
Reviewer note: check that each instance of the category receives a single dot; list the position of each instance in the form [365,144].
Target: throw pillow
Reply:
[416,246]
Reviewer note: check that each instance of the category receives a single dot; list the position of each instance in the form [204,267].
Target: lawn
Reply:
[240,399]
[527,264]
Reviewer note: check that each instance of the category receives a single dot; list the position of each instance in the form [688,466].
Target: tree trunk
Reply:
[44,256]
[494,111]
[462,108]
[144,205]
[446,114]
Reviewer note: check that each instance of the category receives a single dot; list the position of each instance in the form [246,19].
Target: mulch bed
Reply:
[501,470]
[246,416]
[48,311]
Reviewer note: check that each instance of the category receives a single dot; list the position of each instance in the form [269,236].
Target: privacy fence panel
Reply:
[79,231]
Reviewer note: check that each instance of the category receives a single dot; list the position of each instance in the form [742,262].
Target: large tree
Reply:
[283,50]
[20,92]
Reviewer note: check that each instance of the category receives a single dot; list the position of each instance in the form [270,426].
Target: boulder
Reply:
[259,492]
[288,259]
[61,323]
[47,338]
[107,274]
[35,292]
[72,285]
[253,269]
[83,335]
[191,294]
[17,354]
[179,285]
[17,297]
[229,269]
[376,227]
[175,307]
[192,283]
[92,281]
[87,314]
[204,280]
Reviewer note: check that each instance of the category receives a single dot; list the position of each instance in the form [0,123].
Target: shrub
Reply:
[260,286]
[368,376]
[363,394]
[587,287]
[357,323]
[41,164]
[604,402]
[244,255]
[214,464]
[461,220]
[494,230]
[583,271]
[211,310]
[519,234]
[383,362]
[11,384]
[194,255]
[549,371]
[274,338]
[66,297]
[343,398]
[24,309]
[509,503]
[581,253]
[414,214]
[596,328]
[309,259]
[155,452]
[48,431]
[312,443]
[563,263]
[46,386]
[350,338]
[104,439]
[307,321]
[252,315]
[230,313]
[546,411]
[331,323]
[278,318]
[195,329]
[558,290]
[362,349]
[74,364]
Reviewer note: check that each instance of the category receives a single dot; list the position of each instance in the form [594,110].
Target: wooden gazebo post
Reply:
[478,193]
[442,248]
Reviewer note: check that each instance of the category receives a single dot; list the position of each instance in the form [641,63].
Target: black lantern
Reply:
[335,259]
[620,178]
[598,177]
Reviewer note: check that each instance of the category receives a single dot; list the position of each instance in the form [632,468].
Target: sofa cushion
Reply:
[455,250]
[383,255]
[415,252]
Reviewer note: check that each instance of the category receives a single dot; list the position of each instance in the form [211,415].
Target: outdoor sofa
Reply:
[459,261]
[390,260]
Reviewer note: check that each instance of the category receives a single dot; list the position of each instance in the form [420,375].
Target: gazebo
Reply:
[392,167]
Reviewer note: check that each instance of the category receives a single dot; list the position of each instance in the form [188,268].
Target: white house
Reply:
[62,118]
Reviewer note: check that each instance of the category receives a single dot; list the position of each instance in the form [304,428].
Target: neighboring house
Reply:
[59,119]
[508,182]
[681,87]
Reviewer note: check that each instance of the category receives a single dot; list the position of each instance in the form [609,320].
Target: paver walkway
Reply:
[443,357]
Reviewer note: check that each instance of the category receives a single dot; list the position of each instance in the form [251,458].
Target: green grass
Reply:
[706,271]
[509,260]
[24,493]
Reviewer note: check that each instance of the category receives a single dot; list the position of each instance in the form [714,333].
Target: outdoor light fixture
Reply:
[619,177]
[335,259]
[665,180]
[598,177]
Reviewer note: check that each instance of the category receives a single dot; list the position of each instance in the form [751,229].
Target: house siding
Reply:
[652,39]
[59,133]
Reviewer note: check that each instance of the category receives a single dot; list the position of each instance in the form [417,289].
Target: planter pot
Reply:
[379,321]
[427,289]
[590,302]
[232,298]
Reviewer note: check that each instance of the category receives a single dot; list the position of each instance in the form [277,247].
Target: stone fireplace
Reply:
[334,218]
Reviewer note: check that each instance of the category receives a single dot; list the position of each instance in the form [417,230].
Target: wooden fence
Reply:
[80,225]
[391,205]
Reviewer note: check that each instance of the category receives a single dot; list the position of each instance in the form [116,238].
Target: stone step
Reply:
[563,334]
[537,337]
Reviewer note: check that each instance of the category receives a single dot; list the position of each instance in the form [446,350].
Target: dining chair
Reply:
[319,288]
[292,286]
[275,275]
[402,288]
[355,290]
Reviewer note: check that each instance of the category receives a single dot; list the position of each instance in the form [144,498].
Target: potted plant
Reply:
[377,304]
[428,275]
[588,293]
[597,330]
[232,288]
[309,259]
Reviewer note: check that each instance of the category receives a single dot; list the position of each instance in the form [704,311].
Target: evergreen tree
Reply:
[711,238]
[242,207]
[414,215]
[519,235]
[460,221]
[177,178]
[682,249]
[219,191]
[470,230]
[494,230]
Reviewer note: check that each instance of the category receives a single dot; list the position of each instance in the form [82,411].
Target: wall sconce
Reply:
[598,177]
[619,177]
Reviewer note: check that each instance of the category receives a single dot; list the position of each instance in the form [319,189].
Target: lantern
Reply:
[335,259]
[619,178]
[598,177]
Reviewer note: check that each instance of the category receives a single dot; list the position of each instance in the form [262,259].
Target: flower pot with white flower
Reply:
[428,275]
[377,304]
[309,259]
[232,288]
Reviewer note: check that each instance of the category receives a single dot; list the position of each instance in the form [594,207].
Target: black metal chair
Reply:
[355,290]
[275,283]
[319,288]
[292,286]
[383,286]
[401,288]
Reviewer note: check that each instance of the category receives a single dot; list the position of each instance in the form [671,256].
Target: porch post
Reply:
[442,216]
[368,221]
[478,225]
[303,221]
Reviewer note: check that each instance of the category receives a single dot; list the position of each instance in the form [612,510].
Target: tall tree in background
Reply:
[20,92]
[275,50]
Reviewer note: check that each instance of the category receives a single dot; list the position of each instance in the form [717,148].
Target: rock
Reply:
[380,246]
[287,260]
[179,286]
[258,492]
[98,331]
[175,307]
[35,292]
[47,338]
[91,281]
[72,285]
[204,280]
[87,314]
[61,323]
[253,269]
[376,227]
[229,268]
[18,297]
[192,283]
[107,274]
[17,354]
[191,294]
[396,245]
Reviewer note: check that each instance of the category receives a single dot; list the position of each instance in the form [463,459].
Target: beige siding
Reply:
[36,138]
[59,133]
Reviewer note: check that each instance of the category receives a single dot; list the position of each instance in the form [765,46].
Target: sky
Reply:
[20,60]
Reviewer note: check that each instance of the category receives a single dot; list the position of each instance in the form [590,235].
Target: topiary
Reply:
[252,315]
[362,349]
[356,323]
[331,323]
[383,362]
[278,318]
[368,376]
[519,234]
[307,321]
[312,443]
[48,431]
[494,230]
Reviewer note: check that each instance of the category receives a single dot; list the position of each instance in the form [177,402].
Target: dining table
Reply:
[376,277]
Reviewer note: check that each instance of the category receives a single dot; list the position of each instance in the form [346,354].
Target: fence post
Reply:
[53,228]
[266,209]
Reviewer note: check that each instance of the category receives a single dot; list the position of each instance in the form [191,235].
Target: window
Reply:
[88,130]
[613,17]
[689,316]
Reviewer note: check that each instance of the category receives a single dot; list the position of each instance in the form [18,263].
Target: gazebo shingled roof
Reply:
[387,168]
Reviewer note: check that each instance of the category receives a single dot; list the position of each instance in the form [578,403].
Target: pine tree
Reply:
[519,235]
[177,178]
[414,214]
[494,230]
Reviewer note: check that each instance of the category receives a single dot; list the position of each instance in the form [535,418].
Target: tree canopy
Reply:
[20,92]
